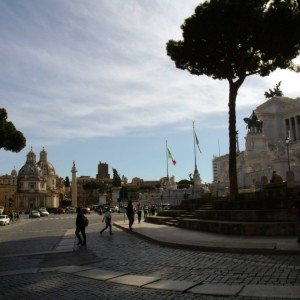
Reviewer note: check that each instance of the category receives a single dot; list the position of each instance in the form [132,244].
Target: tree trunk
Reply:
[233,90]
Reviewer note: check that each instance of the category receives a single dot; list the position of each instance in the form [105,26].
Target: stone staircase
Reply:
[278,222]
[174,221]
[266,213]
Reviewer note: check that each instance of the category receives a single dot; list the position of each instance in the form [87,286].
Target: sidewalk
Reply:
[178,237]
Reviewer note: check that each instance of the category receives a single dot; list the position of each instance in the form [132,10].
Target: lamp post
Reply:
[287,143]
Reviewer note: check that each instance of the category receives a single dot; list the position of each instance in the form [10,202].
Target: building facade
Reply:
[36,183]
[276,148]
[8,189]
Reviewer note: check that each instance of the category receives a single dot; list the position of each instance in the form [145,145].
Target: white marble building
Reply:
[276,148]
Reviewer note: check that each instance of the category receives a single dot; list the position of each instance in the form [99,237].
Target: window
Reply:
[32,185]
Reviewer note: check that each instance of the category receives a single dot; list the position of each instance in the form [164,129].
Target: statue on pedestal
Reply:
[254,125]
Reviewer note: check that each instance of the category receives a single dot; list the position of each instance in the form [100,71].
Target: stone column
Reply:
[296,127]
[292,136]
[74,186]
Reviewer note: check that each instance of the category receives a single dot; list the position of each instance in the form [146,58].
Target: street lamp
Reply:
[287,143]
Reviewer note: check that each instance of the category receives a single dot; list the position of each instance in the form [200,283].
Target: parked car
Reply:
[60,210]
[114,208]
[43,212]
[34,214]
[4,220]
[99,210]
[70,210]
[51,210]
[122,210]
[86,210]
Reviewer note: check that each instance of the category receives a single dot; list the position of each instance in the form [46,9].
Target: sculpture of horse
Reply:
[254,125]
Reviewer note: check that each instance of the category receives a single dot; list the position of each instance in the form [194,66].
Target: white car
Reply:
[34,214]
[4,220]
[43,212]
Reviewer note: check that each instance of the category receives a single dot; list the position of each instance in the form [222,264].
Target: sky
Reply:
[91,81]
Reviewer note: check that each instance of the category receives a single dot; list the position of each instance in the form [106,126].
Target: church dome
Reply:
[46,167]
[14,172]
[30,169]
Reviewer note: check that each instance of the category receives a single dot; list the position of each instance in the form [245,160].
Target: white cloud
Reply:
[99,68]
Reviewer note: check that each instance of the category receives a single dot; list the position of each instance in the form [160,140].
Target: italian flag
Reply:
[197,142]
[169,154]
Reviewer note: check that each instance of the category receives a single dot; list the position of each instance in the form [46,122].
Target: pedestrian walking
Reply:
[107,219]
[81,224]
[145,211]
[139,212]
[130,214]
[152,210]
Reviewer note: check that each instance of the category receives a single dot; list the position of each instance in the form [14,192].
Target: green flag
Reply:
[197,142]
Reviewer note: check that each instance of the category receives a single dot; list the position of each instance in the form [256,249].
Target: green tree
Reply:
[275,92]
[233,39]
[67,182]
[102,187]
[116,181]
[10,138]
[91,186]
[184,184]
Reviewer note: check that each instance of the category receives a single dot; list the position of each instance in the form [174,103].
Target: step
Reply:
[240,228]
[282,215]
[170,213]
[189,216]
[169,223]
[157,219]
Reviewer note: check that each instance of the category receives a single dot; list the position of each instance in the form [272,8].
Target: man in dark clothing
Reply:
[80,227]
[130,214]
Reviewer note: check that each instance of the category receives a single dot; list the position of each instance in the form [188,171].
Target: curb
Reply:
[210,248]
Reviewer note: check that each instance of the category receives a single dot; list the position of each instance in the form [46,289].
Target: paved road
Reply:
[34,235]
[124,252]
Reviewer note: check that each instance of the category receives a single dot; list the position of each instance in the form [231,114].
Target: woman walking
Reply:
[107,219]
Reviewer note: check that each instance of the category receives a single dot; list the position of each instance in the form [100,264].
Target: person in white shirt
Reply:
[107,219]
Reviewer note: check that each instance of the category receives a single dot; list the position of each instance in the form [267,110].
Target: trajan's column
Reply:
[74,185]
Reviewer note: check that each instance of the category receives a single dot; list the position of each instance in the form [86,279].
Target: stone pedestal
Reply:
[256,144]
[115,193]
[102,199]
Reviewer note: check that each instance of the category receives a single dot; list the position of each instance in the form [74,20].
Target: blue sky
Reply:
[90,81]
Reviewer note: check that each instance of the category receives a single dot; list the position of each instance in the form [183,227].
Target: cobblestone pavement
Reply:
[123,251]
[127,253]
[52,285]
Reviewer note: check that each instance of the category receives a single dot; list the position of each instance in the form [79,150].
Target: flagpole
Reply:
[167,159]
[194,145]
